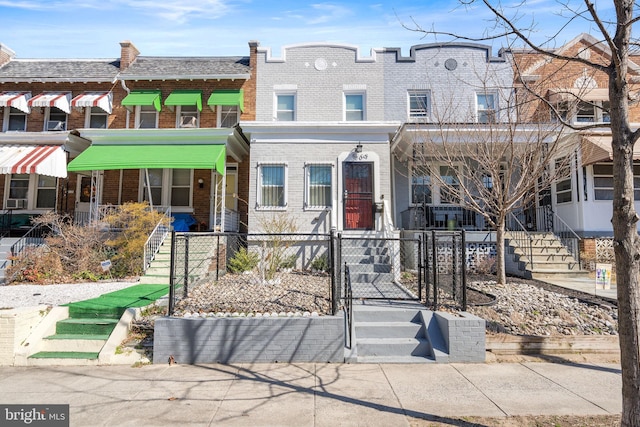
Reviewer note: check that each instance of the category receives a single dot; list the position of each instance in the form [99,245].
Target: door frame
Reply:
[353,157]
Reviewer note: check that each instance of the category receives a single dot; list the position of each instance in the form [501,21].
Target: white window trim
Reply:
[167,175]
[425,92]
[137,121]
[307,185]
[598,113]
[275,104]
[47,115]
[219,115]
[87,117]
[32,193]
[495,105]
[559,179]
[259,205]
[432,184]
[179,117]
[364,104]
[5,121]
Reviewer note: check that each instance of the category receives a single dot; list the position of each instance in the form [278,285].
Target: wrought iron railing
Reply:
[156,238]
[442,217]
[34,237]
[568,237]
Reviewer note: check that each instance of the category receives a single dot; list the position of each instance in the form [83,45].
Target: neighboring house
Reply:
[187,104]
[460,90]
[320,143]
[583,198]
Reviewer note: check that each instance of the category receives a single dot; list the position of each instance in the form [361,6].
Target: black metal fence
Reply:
[285,260]
[445,269]
[383,268]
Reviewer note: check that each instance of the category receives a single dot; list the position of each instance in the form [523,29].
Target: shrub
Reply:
[243,261]
[320,263]
[289,262]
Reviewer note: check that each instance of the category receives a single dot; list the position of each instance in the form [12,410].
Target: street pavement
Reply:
[314,394]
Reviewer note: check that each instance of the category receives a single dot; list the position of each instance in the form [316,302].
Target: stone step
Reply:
[549,265]
[369,268]
[548,273]
[60,359]
[366,259]
[388,330]
[71,342]
[374,313]
[86,326]
[371,278]
[395,359]
[392,347]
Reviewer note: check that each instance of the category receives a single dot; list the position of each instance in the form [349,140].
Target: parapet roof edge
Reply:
[412,51]
[356,49]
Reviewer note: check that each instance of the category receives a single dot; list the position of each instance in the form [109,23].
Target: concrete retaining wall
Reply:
[15,326]
[464,335]
[245,340]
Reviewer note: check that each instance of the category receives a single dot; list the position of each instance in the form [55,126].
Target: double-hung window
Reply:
[592,112]
[15,120]
[146,117]
[421,186]
[272,186]
[285,107]
[450,186]
[354,107]
[228,115]
[419,105]
[96,118]
[56,119]
[563,183]
[603,181]
[46,192]
[318,191]
[486,107]
[187,116]
[168,187]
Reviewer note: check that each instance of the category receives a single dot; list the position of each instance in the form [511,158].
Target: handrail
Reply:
[348,304]
[522,237]
[155,240]
[31,237]
[568,237]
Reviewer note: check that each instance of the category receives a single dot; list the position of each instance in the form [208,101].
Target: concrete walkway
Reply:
[314,394]
[584,284]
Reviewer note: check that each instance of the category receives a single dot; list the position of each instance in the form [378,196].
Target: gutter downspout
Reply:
[128,118]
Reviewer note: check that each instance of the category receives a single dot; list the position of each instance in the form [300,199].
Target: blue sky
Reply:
[93,28]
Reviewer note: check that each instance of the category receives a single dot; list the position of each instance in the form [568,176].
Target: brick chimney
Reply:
[128,54]
[6,54]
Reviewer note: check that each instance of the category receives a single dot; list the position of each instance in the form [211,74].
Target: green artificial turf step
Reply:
[86,326]
[64,355]
[77,336]
[113,304]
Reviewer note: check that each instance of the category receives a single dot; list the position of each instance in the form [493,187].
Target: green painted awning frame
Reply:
[185,97]
[143,97]
[227,97]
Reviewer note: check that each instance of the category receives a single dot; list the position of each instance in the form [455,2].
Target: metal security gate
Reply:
[381,268]
[445,262]
[428,267]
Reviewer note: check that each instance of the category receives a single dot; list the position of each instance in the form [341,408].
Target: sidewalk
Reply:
[311,394]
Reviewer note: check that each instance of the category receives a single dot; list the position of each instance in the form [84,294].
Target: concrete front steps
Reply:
[548,258]
[394,332]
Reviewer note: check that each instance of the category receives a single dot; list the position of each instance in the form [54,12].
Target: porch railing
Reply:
[521,236]
[156,238]
[567,236]
[442,217]
[33,237]
[231,220]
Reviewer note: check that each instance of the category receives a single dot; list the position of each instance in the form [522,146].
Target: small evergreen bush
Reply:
[243,261]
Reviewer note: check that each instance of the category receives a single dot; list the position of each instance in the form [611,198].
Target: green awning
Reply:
[151,156]
[143,97]
[227,97]
[185,97]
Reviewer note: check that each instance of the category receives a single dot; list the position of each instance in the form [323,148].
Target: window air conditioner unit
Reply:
[188,121]
[55,125]
[16,203]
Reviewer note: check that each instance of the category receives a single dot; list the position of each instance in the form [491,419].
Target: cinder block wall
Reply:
[15,326]
[246,340]
[464,335]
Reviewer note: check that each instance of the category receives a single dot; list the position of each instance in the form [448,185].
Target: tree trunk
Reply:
[625,232]
[501,276]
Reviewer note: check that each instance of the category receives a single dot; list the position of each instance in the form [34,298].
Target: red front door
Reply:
[358,196]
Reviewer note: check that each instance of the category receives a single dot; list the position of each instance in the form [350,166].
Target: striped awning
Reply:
[50,160]
[61,100]
[102,100]
[19,100]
